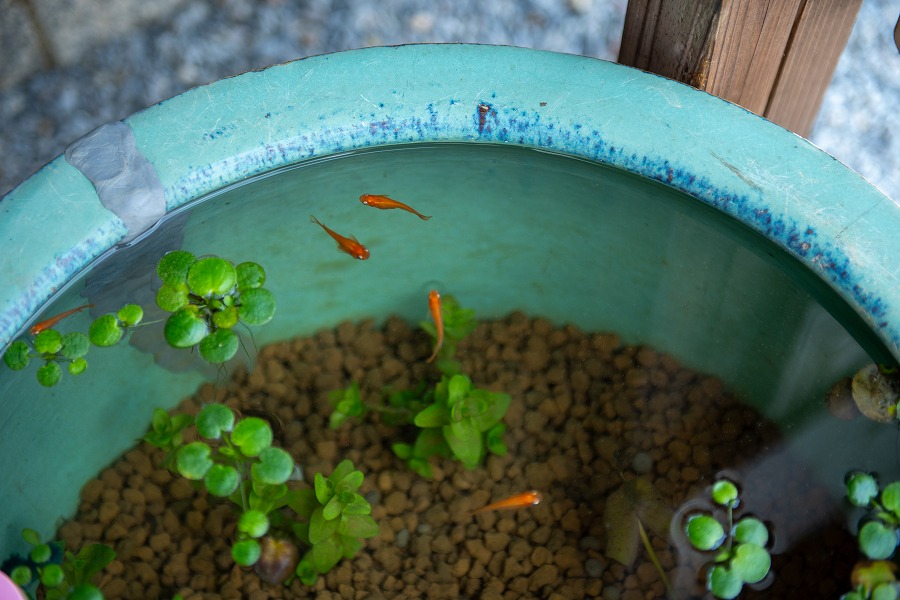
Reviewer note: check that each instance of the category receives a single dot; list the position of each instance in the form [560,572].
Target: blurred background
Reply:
[72,65]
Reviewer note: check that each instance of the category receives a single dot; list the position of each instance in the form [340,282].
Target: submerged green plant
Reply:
[56,348]
[740,550]
[878,537]
[54,573]
[454,418]
[235,459]
[207,298]
[336,520]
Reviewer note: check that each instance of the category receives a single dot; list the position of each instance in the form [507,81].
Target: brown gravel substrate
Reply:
[585,410]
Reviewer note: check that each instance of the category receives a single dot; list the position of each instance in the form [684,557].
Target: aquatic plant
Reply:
[235,459]
[878,537]
[337,519]
[454,418]
[740,550]
[55,348]
[54,573]
[207,297]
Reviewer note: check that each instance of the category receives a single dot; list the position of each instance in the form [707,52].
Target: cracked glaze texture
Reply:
[770,179]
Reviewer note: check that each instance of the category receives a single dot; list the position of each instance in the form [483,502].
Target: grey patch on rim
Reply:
[126,182]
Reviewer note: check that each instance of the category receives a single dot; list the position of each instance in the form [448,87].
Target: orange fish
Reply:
[434,305]
[47,324]
[529,498]
[385,203]
[349,245]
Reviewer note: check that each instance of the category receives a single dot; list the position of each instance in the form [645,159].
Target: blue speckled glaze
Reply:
[770,179]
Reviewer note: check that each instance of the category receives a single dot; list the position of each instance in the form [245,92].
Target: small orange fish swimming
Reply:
[349,245]
[529,498]
[385,203]
[48,323]
[434,305]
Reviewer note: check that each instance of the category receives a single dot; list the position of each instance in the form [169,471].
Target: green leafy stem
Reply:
[878,537]
[54,573]
[741,555]
[207,297]
[236,460]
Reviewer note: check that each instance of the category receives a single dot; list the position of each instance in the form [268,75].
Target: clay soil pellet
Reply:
[587,411]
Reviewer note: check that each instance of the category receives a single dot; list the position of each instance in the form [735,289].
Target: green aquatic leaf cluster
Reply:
[336,518]
[740,550]
[451,419]
[878,537]
[53,573]
[208,297]
[235,459]
[56,349]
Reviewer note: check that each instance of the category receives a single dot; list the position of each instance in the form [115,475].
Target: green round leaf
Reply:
[41,553]
[31,536]
[213,419]
[890,497]
[751,531]
[252,435]
[885,591]
[173,267]
[250,275]
[226,318]
[105,331]
[84,591]
[245,552]
[131,314]
[723,583]
[17,356]
[750,562]
[172,296]
[193,460]
[219,346]
[75,345]
[704,532]
[78,366]
[48,341]
[861,489]
[274,467]
[184,329]
[876,540]
[221,480]
[257,306]
[49,374]
[211,276]
[21,575]
[725,493]
[52,576]
[254,523]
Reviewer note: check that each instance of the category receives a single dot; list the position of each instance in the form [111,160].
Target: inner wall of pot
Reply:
[511,229]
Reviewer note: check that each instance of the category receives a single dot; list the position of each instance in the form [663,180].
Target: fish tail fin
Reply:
[424,217]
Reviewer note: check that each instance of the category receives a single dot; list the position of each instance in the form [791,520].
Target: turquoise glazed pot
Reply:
[583,191]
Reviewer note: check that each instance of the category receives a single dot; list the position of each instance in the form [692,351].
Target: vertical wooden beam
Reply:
[773,57]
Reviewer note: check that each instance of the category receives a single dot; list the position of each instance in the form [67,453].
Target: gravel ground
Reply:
[587,414]
[211,39]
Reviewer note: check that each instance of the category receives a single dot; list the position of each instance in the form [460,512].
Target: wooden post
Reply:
[773,57]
